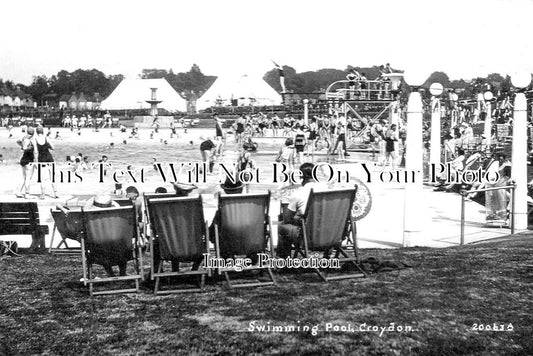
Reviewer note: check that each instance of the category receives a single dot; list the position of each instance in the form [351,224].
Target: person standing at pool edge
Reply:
[44,159]
[207,149]
[219,136]
[26,162]
[390,151]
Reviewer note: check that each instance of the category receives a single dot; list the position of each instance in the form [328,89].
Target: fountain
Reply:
[153,103]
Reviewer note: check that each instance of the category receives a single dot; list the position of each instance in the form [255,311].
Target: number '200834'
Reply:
[492,327]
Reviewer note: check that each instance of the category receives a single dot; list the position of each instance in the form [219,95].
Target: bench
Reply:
[23,219]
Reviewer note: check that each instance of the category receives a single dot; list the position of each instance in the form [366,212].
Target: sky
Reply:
[464,38]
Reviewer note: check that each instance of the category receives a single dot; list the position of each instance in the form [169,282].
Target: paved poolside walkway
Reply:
[438,212]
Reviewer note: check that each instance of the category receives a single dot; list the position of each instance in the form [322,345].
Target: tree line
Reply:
[318,81]
[194,83]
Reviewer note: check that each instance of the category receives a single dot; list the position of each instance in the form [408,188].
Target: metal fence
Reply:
[465,193]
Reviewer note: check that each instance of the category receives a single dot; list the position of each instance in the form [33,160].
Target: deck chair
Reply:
[180,232]
[70,227]
[244,228]
[110,236]
[326,224]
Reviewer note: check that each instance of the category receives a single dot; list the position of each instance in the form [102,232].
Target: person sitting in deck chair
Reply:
[456,165]
[104,201]
[132,194]
[290,230]
[229,187]
[181,190]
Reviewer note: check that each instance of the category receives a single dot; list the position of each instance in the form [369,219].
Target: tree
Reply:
[112,82]
[39,87]
[314,81]
[80,81]
[62,83]
[9,85]
[458,84]
[438,77]
[505,86]
[193,81]
[495,78]
[321,79]
[293,82]
[272,78]
[154,73]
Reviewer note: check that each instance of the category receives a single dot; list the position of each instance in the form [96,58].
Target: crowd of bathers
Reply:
[321,129]
[74,122]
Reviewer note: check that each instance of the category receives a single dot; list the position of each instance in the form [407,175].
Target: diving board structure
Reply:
[373,99]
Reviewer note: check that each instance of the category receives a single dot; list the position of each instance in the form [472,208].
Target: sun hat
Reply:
[183,189]
[100,201]
[232,188]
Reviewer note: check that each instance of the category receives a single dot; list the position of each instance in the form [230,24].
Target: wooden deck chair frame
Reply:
[348,233]
[198,238]
[65,232]
[88,278]
[351,241]
[224,203]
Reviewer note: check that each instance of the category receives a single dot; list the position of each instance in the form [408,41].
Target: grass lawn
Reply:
[44,309]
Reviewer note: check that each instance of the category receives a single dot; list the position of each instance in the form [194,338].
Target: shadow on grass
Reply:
[430,309]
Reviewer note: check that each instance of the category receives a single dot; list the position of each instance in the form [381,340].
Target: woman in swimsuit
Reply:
[27,144]
[44,158]
[245,162]
[312,135]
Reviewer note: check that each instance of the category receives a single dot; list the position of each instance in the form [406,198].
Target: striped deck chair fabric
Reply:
[110,237]
[244,229]
[180,236]
[328,224]
[70,227]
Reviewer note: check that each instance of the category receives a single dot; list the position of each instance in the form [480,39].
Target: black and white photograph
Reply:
[266,177]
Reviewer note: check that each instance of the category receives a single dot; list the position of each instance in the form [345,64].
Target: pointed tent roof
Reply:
[133,93]
[239,87]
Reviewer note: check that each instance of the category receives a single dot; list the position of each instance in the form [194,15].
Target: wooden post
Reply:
[462,218]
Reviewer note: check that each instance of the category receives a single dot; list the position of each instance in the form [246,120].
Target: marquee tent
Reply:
[133,93]
[240,90]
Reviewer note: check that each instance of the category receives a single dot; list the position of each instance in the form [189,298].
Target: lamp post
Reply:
[306,112]
[414,159]
[480,99]
[436,90]
[519,160]
[454,112]
[488,119]
[461,113]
